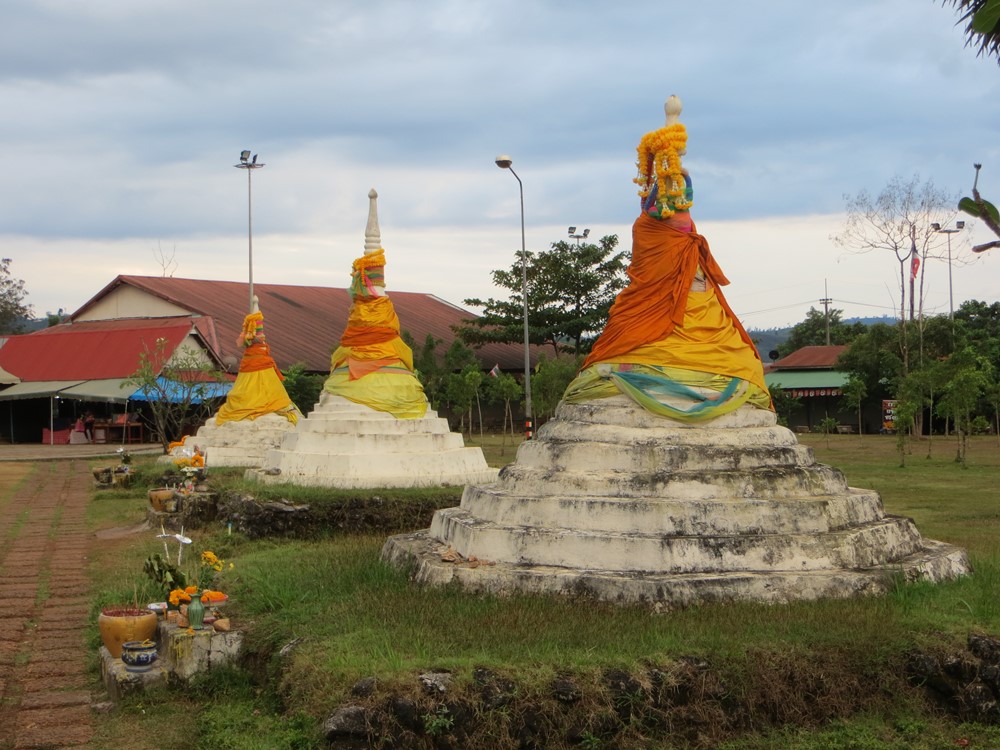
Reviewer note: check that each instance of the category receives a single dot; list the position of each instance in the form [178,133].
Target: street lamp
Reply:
[504,162]
[249,165]
[574,236]
[959,226]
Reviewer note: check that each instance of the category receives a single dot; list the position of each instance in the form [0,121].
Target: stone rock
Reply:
[985,648]
[347,721]
[406,713]
[613,503]
[364,687]
[436,682]
[565,691]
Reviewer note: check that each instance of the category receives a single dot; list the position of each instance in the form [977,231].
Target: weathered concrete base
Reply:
[348,445]
[242,443]
[614,503]
[121,684]
[181,654]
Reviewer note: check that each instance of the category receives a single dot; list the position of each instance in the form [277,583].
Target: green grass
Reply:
[358,617]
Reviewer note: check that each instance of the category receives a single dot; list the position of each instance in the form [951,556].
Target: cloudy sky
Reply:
[123,120]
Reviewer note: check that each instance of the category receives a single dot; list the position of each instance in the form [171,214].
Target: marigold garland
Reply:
[659,160]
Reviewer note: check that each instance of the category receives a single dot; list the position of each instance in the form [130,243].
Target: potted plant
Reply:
[120,623]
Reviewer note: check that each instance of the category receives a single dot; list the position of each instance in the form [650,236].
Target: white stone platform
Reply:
[348,445]
[241,443]
[612,502]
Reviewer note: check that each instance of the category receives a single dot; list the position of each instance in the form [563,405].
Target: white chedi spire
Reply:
[373,236]
[672,109]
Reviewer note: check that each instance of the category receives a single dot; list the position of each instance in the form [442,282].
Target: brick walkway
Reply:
[44,606]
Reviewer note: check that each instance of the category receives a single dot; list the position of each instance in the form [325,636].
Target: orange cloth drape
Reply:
[257,357]
[664,263]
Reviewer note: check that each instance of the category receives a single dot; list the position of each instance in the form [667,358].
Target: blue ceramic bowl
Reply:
[138,656]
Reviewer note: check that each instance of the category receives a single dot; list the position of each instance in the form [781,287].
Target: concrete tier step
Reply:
[672,516]
[421,553]
[592,480]
[371,443]
[879,542]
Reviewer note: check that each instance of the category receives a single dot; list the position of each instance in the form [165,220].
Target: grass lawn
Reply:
[802,676]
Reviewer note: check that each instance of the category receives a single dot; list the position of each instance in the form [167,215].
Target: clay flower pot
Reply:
[121,624]
[158,496]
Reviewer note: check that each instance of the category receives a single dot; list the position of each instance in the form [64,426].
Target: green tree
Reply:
[969,376]
[898,220]
[548,383]
[504,388]
[427,368]
[178,388]
[982,19]
[874,359]
[570,290]
[816,330]
[785,404]
[854,397]
[302,387]
[461,391]
[13,310]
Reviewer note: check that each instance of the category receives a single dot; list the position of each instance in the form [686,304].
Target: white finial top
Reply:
[672,109]
[373,237]
[254,306]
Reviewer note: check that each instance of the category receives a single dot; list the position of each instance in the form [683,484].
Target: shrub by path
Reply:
[44,606]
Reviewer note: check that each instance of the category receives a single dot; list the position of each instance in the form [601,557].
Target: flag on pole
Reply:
[914,261]
[495,371]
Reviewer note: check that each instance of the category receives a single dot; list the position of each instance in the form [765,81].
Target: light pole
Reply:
[249,165]
[574,236]
[959,226]
[504,162]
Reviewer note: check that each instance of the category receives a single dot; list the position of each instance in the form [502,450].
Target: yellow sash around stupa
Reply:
[258,389]
[671,336]
[372,365]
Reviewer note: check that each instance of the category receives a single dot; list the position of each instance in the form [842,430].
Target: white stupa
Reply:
[373,426]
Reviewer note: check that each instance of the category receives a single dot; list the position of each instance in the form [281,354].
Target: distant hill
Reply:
[767,340]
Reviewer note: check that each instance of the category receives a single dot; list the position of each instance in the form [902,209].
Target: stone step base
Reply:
[670,516]
[878,542]
[935,561]
[372,479]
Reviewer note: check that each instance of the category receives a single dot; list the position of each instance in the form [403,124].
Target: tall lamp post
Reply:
[504,162]
[249,165]
[959,226]
[582,236]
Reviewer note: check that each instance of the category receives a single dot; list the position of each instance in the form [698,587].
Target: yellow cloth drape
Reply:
[258,389]
[373,366]
[659,321]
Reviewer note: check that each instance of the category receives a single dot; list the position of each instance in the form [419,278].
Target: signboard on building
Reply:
[889,415]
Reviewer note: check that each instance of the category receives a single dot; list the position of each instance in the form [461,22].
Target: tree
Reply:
[303,388]
[818,329]
[504,388]
[982,18]
[570,290]
[854,397]
[549,382]
[179,388]
[13,310]
[873,358]
[968,378]
[898,220]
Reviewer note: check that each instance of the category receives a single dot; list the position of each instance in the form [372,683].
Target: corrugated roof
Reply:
[789,379]
[305,323]
[811,357]
[92,350]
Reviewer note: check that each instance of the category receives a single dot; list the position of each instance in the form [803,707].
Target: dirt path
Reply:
[44,605]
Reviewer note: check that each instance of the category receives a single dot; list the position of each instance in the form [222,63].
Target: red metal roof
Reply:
[304,323]
[93,350]
[811,357]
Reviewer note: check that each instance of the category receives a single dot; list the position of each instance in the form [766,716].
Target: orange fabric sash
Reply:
[664,263]
[257,357]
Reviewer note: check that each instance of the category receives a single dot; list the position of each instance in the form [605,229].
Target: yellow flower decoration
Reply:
[659,161]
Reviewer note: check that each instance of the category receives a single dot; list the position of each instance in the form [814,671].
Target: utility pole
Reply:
[826,310]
